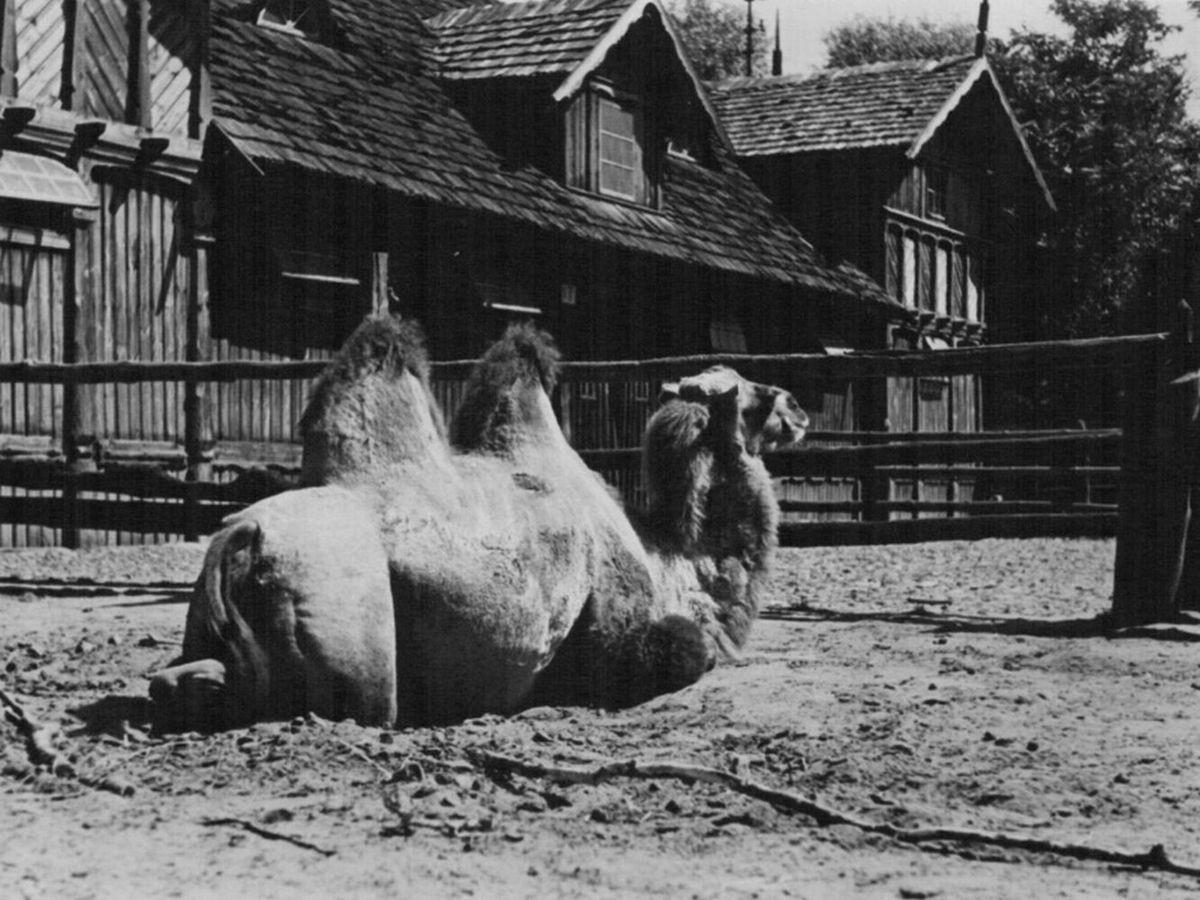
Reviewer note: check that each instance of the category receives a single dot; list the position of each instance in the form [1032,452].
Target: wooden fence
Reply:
[991,484]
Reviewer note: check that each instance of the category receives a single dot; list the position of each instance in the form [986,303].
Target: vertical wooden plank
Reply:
[101,264]
[200,100]
[138,110]
[72,44]
[9,348]
[8,48]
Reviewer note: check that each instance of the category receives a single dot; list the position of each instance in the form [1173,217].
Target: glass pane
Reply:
[942,287]
[925,276]
[621,151]
[910,271]
[973,274]
[893,263]
[957,301]
[616,180]
[616,120]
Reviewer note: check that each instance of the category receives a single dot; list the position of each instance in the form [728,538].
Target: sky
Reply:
[804,22]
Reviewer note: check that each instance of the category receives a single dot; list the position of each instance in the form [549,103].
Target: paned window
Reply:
[606,146]
[619,152]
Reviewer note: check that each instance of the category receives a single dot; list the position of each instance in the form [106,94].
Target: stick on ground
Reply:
[1155,858]
[38,740]
[269,835]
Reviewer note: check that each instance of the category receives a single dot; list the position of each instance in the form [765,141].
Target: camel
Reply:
[426,574]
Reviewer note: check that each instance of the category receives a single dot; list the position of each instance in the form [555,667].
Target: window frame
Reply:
[586,159]
[289,26]
[937,192]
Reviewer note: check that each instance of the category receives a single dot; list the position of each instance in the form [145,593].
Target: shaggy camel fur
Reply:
[424,577]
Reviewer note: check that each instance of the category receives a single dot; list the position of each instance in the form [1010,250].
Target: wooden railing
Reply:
[186,489]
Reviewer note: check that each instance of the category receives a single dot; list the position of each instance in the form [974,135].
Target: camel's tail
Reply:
[217,628]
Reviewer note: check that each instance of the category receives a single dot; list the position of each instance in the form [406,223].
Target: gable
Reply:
[898,104]
[571,40]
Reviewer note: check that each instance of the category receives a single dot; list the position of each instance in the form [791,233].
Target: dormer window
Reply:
[292,16]
[619,149]
[607,146]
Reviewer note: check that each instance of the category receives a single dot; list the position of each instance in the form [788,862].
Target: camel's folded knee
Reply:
[189,697]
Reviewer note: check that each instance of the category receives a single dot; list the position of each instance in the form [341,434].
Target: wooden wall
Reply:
[41,33]
[133,303]
[32,273]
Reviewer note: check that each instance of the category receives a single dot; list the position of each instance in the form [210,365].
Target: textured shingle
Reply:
[516,39]
[884,104]
[368,108]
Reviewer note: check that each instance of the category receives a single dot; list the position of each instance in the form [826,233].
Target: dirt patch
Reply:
[953,684]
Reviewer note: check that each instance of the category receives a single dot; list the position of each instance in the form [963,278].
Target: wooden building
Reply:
[556,160]
[917,173]
[245,179]
[99,150]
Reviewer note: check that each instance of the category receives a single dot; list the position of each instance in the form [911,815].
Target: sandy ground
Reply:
[995,705]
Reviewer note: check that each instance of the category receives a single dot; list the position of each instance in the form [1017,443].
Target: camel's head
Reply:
[756,417]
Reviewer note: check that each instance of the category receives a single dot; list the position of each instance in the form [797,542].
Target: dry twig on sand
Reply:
[39,748]
[269,835]
[38,740]
[1155,858]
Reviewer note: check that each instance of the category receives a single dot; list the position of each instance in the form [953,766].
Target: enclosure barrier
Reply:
[187,489]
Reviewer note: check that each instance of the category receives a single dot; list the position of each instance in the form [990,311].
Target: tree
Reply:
[714,32]
[1104,112]
[866,40]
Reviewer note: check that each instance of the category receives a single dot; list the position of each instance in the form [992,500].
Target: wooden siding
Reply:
[172,51]
[31,311]
[102,71]
[41,32]
[133,305]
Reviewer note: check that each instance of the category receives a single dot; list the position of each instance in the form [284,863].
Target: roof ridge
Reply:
[766,82]
[512,10]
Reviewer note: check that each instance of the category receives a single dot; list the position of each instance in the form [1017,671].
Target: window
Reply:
[937,181]
[619,153]
[606,146]
[910,270]
[292,16]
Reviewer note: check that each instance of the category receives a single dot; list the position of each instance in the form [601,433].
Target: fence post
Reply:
[78,423]
[197,427]
[1152,534]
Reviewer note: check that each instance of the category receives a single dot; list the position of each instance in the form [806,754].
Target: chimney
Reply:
[981,36]
[777,56]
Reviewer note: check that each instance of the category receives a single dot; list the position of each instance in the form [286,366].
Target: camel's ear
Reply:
[725,417]
[668,392]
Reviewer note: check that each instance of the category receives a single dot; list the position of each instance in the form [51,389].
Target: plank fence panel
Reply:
[256,398]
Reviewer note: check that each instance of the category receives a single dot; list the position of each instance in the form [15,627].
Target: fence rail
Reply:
[185,487]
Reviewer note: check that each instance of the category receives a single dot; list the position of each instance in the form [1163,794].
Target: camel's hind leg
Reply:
[338,630]
[292,614]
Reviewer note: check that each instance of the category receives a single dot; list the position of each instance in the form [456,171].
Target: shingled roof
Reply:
[517,39]
[877,105]
[368,106]
[893,104]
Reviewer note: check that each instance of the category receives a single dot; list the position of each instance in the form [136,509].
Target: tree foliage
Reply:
[1105,114]
[714,32]
[866,40]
